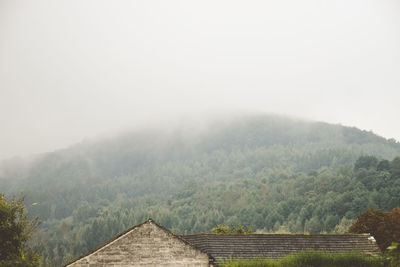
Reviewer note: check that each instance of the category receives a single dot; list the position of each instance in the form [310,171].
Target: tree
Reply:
[366,162]
[15,230]
[395,167]
[384,226]
[383,165]
[226,230]
[221,230]
[343,226]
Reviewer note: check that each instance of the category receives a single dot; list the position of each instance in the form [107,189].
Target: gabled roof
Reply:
[149,221]
[279,245]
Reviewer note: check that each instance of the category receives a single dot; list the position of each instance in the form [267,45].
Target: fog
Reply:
[71,70]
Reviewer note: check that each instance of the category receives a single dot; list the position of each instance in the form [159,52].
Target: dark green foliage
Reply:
[15,231]
[366,162]
[312,259]
[395,167]
[384,165]
[30,259]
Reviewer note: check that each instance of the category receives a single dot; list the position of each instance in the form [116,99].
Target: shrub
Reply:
[311,259]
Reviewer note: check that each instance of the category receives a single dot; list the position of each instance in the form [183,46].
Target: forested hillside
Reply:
[271,173]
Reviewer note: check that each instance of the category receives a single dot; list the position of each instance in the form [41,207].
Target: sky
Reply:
[76,69]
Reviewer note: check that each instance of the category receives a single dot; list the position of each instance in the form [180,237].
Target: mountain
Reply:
[269,172]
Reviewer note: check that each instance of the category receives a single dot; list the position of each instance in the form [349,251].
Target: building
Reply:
[146,244]
[150,244]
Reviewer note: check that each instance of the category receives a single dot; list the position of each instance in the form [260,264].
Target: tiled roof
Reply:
[279,245]
[265,245]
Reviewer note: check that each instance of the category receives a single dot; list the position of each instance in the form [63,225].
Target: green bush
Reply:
[311,259]
[393,254]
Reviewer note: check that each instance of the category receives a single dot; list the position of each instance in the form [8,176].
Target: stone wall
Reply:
[145,245]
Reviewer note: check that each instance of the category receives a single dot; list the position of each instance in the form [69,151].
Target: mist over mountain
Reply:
[126,153]
[269,172]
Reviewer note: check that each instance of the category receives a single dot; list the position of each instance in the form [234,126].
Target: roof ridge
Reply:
[294,234]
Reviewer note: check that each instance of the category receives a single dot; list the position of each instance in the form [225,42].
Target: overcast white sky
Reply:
[75,69]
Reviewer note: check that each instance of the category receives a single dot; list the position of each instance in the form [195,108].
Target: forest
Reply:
[269,173]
